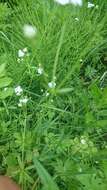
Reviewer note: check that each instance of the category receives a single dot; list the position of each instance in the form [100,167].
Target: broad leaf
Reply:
[5,82]
[6,93]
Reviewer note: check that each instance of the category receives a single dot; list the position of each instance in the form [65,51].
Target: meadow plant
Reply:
[53,94]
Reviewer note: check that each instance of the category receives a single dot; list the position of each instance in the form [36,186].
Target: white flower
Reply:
[21,53]
[52,84]
[76,2]
[29,31]
[90,5]
[83,141]
[64,2]
[40,70]
[23,101]
[18,90]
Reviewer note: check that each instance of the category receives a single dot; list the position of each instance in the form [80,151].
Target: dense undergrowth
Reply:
[58,134]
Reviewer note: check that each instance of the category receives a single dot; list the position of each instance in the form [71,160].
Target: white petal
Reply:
[21,53]
[83,141]
[52,84]
[40,70]
[25,50]
[77,19]
[90,5]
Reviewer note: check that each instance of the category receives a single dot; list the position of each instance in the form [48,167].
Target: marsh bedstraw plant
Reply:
[53,94]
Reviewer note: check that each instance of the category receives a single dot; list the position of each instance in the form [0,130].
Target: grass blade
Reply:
[45,177]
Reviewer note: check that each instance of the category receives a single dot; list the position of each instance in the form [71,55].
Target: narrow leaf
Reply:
[45,177]
[2,70]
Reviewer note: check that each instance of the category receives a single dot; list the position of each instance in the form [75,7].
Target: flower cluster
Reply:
[22,53]
[23,101]
[19,91]
[40,70]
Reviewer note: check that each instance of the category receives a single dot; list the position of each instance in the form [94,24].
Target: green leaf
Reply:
[89,117]
[101,123]
[92,182]
[2,70]
[65,90]
[6,93]
[5,82]
[96,92]
[45,177]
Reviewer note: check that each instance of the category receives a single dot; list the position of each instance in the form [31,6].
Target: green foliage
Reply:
[64,127]
[4,83]
[46,179]
[4,14]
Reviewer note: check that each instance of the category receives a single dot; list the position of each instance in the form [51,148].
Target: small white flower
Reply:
[18,90]
[51,84]
[23,101]
[29,31]
[21,53]
[77,19]
[64,2]
[90,5]
[83,141]
[40,70]
[19,60]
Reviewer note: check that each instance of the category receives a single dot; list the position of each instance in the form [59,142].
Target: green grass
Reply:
[58,139]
